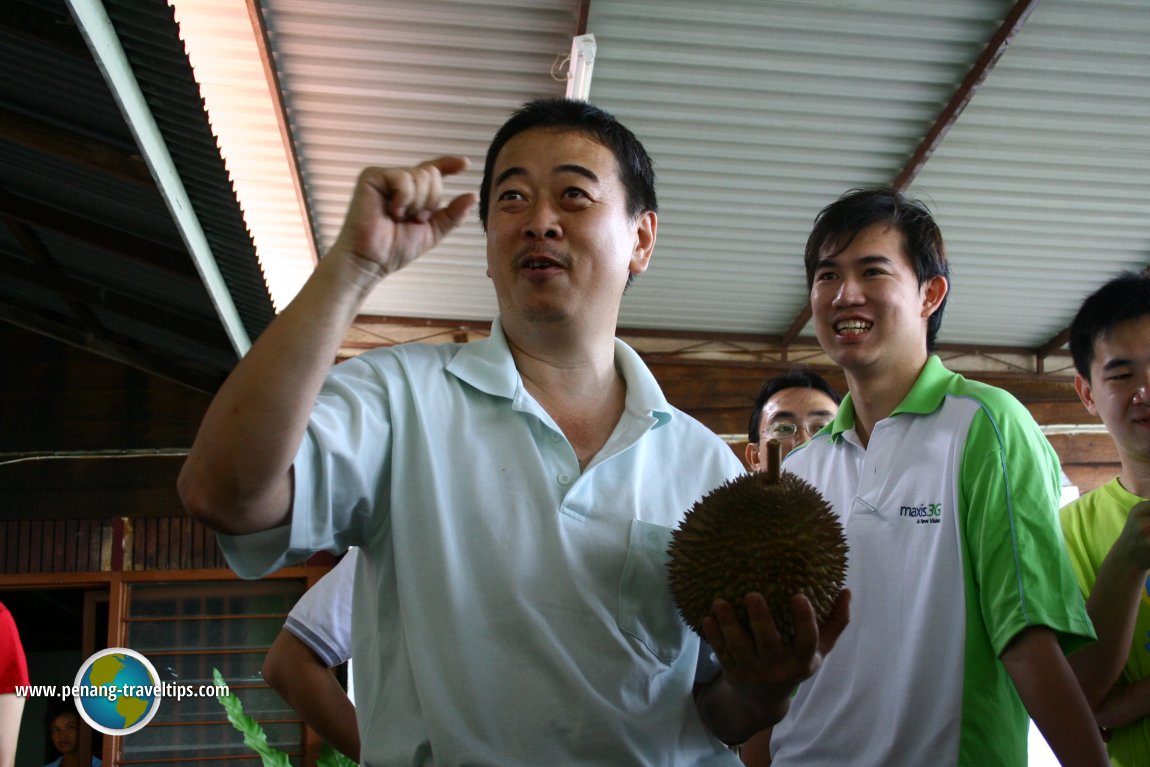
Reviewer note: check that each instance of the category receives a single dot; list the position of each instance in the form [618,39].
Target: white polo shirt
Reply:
[950,513]
[510,609]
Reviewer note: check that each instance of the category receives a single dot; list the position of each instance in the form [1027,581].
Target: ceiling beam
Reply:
[73,148]
[87,292]
[276,90]
[978,73]
[190,374]
[92,19]
[584,10]
[49,272]
[146,252]
[45,28]
[966,90]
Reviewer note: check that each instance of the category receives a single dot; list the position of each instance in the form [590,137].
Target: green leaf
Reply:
[254,736]
[330,757]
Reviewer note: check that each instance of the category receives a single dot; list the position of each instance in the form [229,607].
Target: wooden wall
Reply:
[82,437]
[722,397]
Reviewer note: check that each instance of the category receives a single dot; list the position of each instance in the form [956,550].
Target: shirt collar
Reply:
[924,397]
[488,366]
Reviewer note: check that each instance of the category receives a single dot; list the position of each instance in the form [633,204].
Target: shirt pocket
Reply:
[646,611]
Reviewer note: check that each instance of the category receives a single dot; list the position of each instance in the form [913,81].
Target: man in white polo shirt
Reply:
[512,498]
[963,601]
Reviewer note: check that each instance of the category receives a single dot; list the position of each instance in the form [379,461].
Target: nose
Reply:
[849,293]
[542,223]
[1142,393]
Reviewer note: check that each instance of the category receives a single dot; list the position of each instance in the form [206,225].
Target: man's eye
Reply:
[510,194]
[574,196]
[782,430]
[823,276]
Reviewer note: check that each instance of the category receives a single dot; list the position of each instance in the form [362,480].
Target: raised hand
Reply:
[397,214]
[1133,543]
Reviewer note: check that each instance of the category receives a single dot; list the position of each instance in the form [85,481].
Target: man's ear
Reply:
[933,291]
[752,456]
[645,225]
[1085,393]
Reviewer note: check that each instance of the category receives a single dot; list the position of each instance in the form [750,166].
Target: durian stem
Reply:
[774,461]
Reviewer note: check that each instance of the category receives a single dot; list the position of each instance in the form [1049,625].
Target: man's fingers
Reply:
[450,164]
[413,194]
[446,219]
[806,639]
[763,626]
[836,622]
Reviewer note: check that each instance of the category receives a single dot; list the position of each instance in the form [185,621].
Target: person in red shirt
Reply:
[13,674]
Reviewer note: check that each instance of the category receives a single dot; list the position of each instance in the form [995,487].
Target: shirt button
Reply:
[556,436]
[564,479]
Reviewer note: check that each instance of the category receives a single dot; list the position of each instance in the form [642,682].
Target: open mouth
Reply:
[852,327]
[540,259]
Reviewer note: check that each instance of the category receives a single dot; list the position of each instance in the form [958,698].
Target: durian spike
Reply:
[774,461]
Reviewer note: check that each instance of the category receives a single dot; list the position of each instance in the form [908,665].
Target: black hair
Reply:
[635,168]
[1126,297]
[839,223]
[797,377]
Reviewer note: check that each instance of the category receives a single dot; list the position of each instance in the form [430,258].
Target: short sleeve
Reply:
[1011,486]
[321,618]
[13,663]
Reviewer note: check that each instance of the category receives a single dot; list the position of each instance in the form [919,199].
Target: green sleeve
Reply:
[1010,490]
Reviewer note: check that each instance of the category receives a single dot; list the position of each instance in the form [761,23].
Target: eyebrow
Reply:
[559,169]
[788,414]
[864,260]
[1120,362]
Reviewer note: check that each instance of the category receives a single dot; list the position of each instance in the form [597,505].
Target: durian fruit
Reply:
[769,532]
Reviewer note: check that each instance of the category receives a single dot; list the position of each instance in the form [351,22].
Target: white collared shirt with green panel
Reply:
[950,512]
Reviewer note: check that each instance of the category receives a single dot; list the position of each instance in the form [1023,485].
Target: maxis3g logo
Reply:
[924,514]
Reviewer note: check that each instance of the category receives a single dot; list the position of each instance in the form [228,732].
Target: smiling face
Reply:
[1118,391]
[869,311]
[560,243]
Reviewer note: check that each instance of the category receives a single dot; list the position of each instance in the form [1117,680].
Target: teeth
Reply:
[852,326]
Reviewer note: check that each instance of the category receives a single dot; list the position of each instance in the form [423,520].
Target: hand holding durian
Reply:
[757,569]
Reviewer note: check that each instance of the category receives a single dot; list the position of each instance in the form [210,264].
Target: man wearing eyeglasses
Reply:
[792,408]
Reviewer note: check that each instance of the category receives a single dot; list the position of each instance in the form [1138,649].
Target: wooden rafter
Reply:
[978,73]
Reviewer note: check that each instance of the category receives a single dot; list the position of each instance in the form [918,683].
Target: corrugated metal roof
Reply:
[227,56]
[151,42]
[1043,184]
[758,114]
[395,83]
[89,253]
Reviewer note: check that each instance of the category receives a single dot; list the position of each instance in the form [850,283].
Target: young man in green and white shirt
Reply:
[963,601]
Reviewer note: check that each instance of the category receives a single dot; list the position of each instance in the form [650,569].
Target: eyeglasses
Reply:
[788,430]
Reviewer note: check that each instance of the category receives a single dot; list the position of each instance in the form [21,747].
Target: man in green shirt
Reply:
[1107,530]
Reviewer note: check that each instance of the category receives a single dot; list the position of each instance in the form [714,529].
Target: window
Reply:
[188,628]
